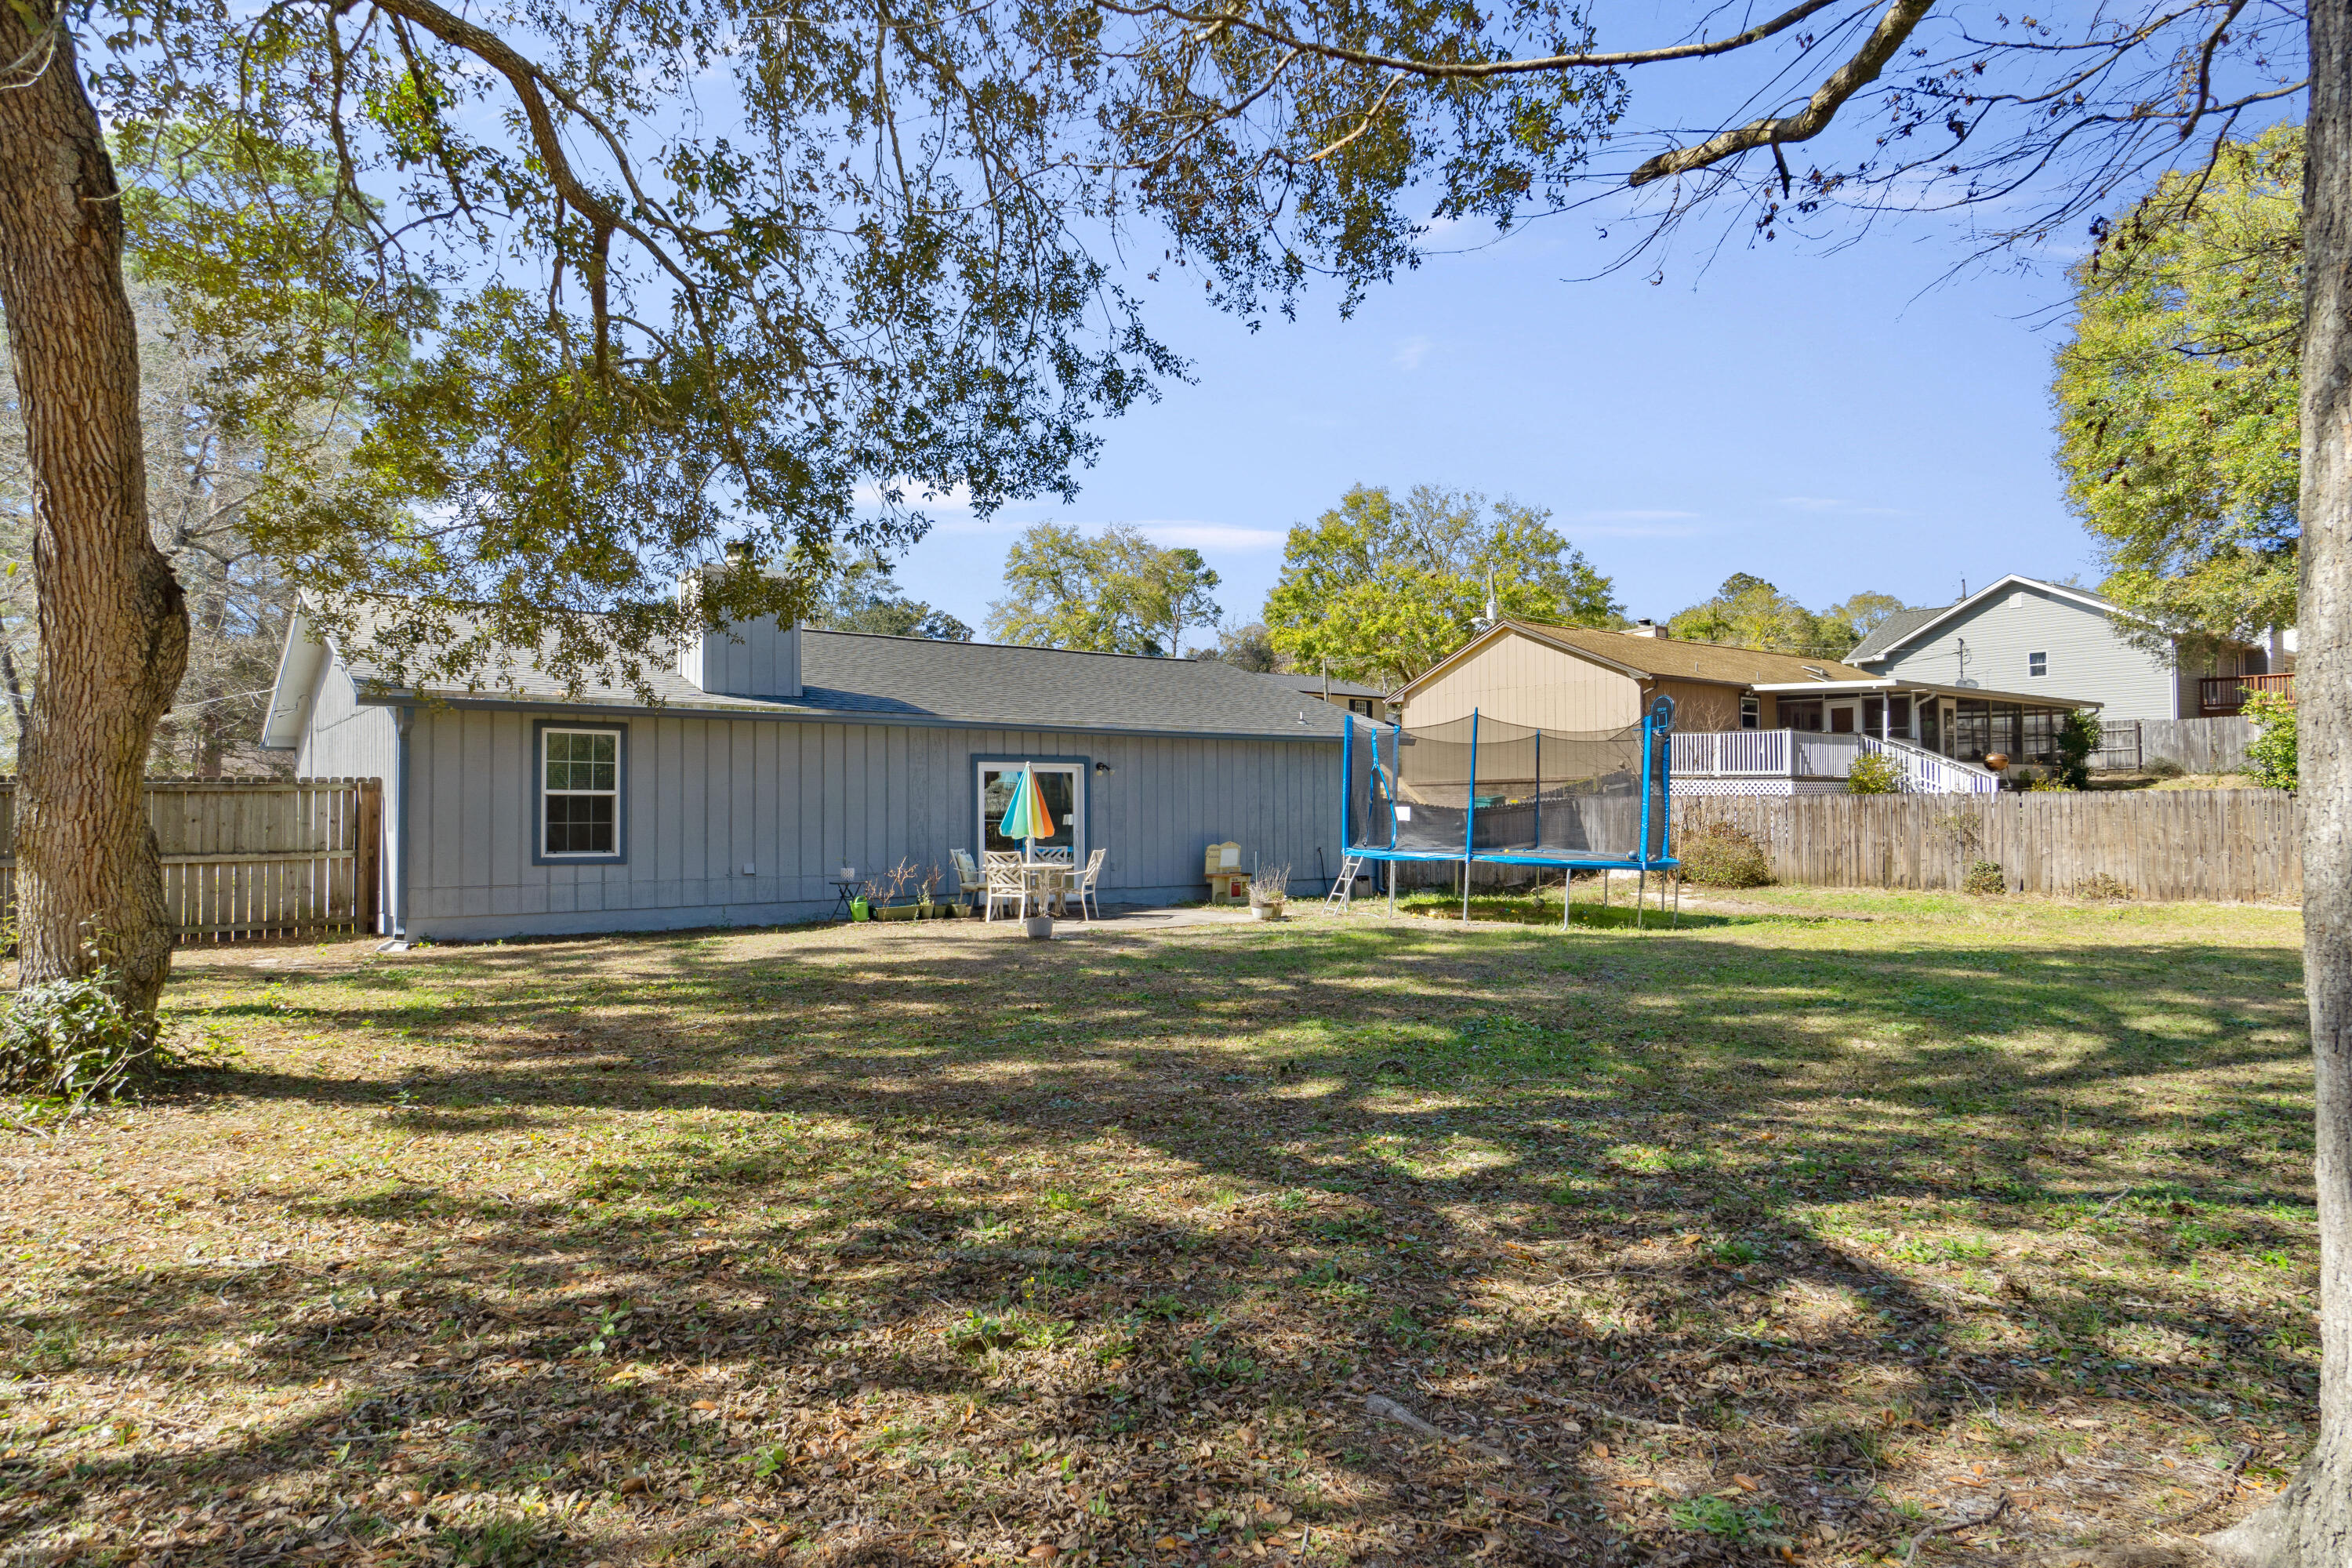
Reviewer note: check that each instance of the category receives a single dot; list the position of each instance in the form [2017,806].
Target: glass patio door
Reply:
[1059,783]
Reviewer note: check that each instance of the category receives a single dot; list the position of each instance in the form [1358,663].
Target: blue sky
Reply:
[1833,421]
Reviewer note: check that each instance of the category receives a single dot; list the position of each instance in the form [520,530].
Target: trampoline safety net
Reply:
[1560,793]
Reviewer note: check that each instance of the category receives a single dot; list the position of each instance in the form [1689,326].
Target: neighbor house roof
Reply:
[1315,685]
[1892,630]
[915,680]
[1664,658]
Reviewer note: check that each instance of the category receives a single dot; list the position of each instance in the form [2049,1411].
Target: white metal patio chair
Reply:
[1004,882]
[970,883]
[1083,888]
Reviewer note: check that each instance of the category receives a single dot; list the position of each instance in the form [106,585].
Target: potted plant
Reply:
[894,904]
[1269,886]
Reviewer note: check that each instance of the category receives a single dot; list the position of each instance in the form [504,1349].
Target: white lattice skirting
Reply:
[1691,788]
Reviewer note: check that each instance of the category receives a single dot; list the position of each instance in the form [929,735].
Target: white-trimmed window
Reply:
[2037,664]
[579,794]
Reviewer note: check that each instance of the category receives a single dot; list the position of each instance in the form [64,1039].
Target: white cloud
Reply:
[1213,536]
[1170,532]
[1411,351]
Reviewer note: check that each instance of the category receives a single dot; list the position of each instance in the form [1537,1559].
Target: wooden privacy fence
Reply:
[2232,846]
[2197,745]
[252,858]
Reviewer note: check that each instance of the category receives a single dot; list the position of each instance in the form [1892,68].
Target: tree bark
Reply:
[112,626]
[2311,1525]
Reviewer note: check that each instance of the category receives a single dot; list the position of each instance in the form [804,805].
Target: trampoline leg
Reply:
[1567,897]
[1465,892]
[1641,896]
[1679,905]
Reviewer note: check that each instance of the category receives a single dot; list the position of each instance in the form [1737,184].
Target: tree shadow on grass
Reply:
[1107,1242]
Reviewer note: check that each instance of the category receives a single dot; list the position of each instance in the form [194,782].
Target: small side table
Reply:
[841,895]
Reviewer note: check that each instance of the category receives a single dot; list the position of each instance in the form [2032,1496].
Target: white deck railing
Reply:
[1808,754]
[1930,773]
[1732,753]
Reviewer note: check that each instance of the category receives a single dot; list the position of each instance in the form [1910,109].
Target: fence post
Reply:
[366,873]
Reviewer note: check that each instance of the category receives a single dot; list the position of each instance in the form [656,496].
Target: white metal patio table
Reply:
[1045,880]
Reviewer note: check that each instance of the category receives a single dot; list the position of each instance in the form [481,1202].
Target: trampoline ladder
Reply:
[1343,892]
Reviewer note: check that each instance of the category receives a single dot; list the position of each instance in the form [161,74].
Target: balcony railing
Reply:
[1810,754]
[2217,695]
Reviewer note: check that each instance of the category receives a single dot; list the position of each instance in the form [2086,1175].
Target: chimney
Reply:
[1646,629]
[755,658]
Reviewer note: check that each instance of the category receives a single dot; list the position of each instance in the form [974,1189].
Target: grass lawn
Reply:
[1782,1237]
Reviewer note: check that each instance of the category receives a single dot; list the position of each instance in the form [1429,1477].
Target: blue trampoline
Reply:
[1480,792]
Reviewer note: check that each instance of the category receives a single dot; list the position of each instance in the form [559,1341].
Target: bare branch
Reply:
[2203,93]
[1858,72]
[1475,70]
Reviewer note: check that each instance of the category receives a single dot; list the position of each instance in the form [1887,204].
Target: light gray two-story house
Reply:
[2023,635]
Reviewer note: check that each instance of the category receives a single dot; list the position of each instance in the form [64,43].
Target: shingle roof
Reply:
[1673,661]
[850,673]
[1313,686]
[1892,630]
[1049,688]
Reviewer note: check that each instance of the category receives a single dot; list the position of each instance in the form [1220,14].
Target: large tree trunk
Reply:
[2311,1525]
[113,629]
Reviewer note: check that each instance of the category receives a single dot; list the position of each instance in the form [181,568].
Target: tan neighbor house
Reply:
[1743,717]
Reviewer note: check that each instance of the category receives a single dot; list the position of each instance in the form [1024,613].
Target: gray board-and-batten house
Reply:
[774,756]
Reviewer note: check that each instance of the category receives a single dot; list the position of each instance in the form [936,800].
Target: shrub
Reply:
[2053,781]
[1984,877]
[2078,738]
[1874,773]
[1718,855]
[2166,768]
[72,1040]
[2271,754]
[2103,886]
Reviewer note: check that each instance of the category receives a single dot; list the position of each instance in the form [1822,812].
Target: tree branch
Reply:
[1902,18]
[2204,94]
[1369,115]
[1476,69]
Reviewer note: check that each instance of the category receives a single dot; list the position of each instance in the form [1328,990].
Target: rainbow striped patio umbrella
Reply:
[1026,817]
